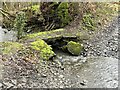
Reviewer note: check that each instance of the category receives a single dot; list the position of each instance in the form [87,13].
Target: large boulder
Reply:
[45,51]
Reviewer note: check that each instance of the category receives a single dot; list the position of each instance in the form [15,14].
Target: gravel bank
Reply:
[104,43]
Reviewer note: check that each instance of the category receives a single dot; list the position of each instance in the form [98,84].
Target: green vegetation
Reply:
[88,22]
[43,35]
[9,47]
[35,8]
[45,51]
[97,15]
[31,10]
[63,14]
[19,24]
[59,14]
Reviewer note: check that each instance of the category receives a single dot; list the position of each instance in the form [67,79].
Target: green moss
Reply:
[35,7]
[45,51]
[32,8]
[9,47]
[74,47]
[46,34]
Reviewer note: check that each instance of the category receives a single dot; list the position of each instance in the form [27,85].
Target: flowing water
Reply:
[6,35]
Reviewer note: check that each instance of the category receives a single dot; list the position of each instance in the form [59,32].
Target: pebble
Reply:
[84,54]
[43,75]
[61,76]
[14,82]
[98,53]
[84,82]
[104,50]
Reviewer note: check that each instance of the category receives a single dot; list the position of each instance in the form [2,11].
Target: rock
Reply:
[74,48]
[84,54]
[61,76]
[14,82]
[104,50]
[84,82]
[43,75]
[45,51]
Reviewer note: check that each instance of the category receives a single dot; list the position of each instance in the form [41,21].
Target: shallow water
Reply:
[97,72]
[6,35]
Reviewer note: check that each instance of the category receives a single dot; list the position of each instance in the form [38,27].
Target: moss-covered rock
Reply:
[45,51]
[9,47]
[46,35]
[74,48]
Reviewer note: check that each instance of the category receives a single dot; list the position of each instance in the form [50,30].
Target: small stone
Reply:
[60,81]
[62,68]
[114,49]
[84,54]
[60,57]
[61,76]
[98,46]
[61,86]
[86,49]
[98,53]
[14,82]
[104,50]
[24,80]
[116,39]
[77,76]
[43,75]
[84,82]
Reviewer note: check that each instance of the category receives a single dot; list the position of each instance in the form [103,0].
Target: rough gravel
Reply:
[104,43]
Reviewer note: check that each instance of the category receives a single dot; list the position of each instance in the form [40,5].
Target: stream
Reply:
[89,71]
[6,35]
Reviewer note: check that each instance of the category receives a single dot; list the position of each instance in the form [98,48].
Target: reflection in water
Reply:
[6,35]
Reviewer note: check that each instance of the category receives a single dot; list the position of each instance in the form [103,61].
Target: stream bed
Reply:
[91,70]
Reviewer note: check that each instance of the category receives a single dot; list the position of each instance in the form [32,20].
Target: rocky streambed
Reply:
[96,67]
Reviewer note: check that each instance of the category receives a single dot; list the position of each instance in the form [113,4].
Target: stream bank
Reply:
[89,70]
